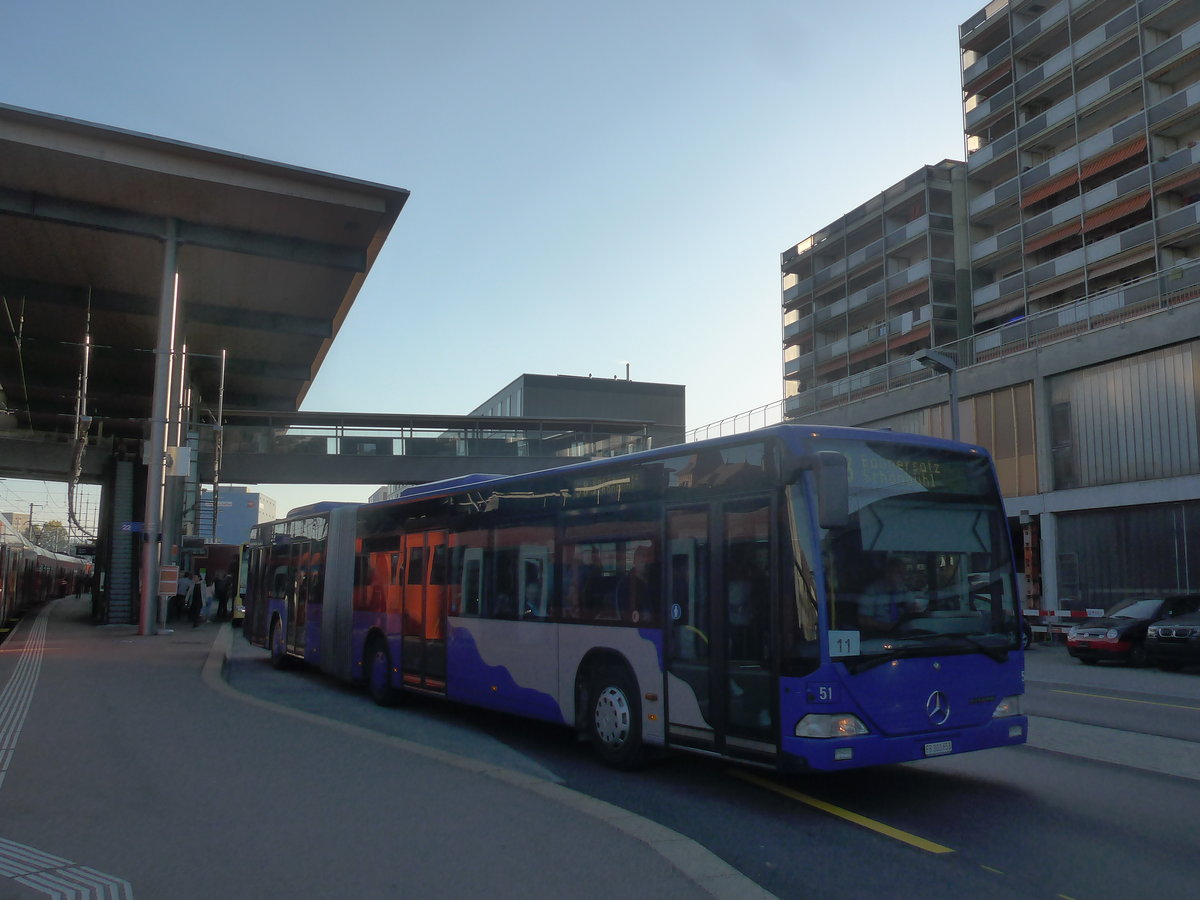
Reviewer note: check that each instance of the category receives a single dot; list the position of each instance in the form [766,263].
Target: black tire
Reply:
[279,657]
[377,668]
[615,718]
[1138,656]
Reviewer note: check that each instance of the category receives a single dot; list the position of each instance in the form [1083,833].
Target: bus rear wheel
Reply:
[615,719]
[377,669]
[279,657]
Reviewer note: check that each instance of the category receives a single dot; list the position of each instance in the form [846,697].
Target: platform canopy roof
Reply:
[270,259]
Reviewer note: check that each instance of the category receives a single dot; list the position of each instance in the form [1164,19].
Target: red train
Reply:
[30,574]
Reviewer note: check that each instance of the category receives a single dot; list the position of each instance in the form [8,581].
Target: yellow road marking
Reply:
[1126,699]
[887,830]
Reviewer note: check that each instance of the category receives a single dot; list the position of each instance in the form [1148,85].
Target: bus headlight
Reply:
[824,725]
[1009,706]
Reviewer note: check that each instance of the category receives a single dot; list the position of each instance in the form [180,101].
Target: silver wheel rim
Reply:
[612,717]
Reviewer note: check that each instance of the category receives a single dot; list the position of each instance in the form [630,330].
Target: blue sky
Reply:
[592,184]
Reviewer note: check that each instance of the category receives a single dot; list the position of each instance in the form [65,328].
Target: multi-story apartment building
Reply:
[1083,168]
[864,294]
[1077,235]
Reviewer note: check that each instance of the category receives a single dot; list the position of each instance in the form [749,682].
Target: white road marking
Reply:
[58,878]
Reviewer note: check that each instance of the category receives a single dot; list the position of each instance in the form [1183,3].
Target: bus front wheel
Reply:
[615,719]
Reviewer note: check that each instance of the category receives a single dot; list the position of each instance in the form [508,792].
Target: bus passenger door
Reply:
[436,597]
[748,690]
[297,597]
[720,682]
[423,659]
[691,720]
[412,656]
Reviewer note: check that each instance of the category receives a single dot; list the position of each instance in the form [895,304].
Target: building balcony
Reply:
[1110,32]
[829,273]
[986,109]
[1005,192]
[997,243]
[910,231]
[1051,67]
[990,65]
[793,330]
[1177,46]
[1121,243]
[865,296]
[1143,297]
[835,350]
[917,272]
[800,289]
[800,367]
[1178,104]
[1006,288]
[1179,222]
[1060,112]
[799,405]
[991,152]
[872,253]
[1179,162]
[982,20]
[832,311]
[1047,20]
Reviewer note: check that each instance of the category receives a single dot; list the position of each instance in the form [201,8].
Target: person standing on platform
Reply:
[183,590]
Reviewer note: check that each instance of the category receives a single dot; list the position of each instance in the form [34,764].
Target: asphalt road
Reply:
[1099,804]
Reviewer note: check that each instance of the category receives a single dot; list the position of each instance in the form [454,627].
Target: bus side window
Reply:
[472,582]
[533,588]
[504,588]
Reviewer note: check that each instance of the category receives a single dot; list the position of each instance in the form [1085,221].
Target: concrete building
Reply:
[237,511]
[1077,235]
[574,397]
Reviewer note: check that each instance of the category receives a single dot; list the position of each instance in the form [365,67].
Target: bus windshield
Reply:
[924,565]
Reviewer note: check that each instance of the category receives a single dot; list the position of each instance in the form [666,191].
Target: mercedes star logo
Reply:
[937,707]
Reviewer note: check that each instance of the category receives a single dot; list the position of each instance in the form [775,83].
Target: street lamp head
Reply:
[937,361]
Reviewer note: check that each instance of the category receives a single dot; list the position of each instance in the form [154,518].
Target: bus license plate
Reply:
[937,748]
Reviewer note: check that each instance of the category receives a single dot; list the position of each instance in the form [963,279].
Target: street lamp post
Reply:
[941,363]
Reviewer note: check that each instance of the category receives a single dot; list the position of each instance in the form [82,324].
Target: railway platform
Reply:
[130,767]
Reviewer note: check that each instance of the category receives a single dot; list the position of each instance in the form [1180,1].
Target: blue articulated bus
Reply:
[803,598]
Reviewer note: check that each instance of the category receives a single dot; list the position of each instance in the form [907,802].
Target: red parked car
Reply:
[1121,633]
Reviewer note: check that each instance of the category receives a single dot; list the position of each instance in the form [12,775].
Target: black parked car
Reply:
[1121,633]
[1174,642]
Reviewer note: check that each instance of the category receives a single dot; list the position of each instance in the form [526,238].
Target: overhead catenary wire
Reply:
[17,335]
[82,423]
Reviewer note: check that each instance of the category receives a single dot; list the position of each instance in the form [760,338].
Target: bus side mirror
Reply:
[833,487]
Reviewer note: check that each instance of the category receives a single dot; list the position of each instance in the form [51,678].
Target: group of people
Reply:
[194,597]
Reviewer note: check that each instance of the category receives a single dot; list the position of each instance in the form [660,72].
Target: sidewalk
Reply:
[131,756]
